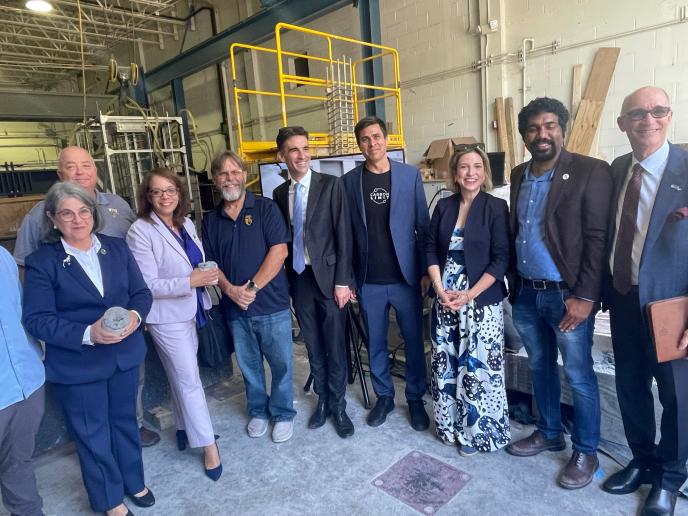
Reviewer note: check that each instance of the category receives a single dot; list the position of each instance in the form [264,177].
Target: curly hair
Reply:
[543,105]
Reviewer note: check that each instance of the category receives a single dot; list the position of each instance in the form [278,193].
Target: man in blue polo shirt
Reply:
[247,236]
[21,398]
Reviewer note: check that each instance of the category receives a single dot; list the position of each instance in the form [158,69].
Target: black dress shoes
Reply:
[342,424]
[383,406]
[419,418]
[627,480]
[147,500]
[319,417]
[660,502]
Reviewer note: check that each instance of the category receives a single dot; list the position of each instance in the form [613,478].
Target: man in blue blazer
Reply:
[390,222]
[648,250]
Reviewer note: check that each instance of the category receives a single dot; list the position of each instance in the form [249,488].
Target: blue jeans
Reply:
[376,301]
[266,336]
[536,315]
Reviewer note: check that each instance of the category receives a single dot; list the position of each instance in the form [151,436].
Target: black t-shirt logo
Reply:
[379,196]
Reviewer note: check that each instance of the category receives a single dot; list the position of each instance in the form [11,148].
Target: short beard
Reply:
[231,196]
[539,155]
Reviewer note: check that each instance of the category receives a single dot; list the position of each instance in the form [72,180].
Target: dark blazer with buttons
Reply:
[60,301]
[576,215]
[663,272]
[327,233]
[486,241]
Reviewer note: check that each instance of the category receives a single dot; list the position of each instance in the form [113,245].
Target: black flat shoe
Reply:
[147,500]
[627,480]
[659,502]
[182,439]
[214,473]
[343,424]
[320,414]
[419,418]
[383,406]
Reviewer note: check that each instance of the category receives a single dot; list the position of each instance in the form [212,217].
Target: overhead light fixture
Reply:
[40,6]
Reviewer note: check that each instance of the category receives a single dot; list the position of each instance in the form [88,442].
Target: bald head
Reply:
[645,117]
[641,93]
[76,165]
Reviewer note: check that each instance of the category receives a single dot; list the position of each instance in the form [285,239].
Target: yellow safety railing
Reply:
[257,150]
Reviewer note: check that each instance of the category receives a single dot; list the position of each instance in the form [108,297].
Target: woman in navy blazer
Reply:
[69,284]
[164,243]
[467,253]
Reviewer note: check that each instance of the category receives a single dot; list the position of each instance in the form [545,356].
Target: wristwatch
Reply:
[252,286]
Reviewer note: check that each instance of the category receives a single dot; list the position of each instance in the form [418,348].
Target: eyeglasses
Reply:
[70,216]
[171,192]
[463,147]
[639,114]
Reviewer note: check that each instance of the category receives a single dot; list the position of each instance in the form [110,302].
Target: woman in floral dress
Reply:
[468,255]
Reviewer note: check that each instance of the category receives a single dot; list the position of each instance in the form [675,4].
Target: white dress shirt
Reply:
[653,166]
[306,184]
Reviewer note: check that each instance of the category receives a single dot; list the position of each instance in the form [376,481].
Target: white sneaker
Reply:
[282,431]
[257,427]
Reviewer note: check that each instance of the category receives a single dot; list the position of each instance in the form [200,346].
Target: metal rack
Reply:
[126,147]
[340,107]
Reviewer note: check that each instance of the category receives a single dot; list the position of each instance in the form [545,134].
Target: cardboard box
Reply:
[438,154]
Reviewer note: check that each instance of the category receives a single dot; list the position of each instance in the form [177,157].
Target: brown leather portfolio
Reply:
[668,320]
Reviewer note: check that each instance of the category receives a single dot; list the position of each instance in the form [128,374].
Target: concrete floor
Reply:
[316,472]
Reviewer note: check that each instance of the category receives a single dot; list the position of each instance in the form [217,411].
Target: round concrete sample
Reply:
[207,266]
[116,318]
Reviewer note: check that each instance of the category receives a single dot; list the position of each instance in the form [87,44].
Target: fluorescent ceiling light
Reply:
[40,6]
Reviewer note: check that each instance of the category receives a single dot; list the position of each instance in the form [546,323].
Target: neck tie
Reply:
[623,252]
[299,259]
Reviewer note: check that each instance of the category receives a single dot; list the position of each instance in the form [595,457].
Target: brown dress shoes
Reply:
[579,470]
[536,443]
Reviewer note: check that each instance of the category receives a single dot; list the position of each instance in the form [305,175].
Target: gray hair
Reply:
[58,193]
[219,161]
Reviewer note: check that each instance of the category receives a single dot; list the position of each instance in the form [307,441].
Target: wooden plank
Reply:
[601,74]
[511,133]
[501,131]
[585,126]
[576,89]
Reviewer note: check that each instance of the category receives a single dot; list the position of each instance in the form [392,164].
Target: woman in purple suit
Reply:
[163,241]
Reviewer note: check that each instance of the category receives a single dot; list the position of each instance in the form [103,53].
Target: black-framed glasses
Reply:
[70,216]
[640,114]
[157,192]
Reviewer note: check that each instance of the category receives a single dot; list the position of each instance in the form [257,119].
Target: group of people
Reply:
[578,234]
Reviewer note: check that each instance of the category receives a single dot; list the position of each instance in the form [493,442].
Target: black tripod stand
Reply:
[356,338]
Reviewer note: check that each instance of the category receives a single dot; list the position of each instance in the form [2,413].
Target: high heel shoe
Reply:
[182,439]
[214,473]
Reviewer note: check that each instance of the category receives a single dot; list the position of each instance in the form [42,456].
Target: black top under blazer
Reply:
[486,241]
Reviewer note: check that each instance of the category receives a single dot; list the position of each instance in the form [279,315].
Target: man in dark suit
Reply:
[559,210]
[319,271]
[648,246]
[390,223]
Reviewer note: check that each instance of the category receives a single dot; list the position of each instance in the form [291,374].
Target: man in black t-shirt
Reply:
[390,221]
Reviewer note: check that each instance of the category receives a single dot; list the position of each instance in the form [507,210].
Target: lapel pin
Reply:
[248,220]
[113,211]
[67,261]
[103,251]
[676,187]
[565,177]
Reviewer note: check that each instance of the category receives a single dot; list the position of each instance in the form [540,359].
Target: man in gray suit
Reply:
[319,268]
[648,246]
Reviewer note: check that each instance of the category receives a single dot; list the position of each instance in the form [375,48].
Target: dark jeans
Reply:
[322,326]
[18,427]
[269,337]
[636,365]
[536,315]
[376,301]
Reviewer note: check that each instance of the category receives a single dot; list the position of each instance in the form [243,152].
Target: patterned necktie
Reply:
[623,252]
[299,259]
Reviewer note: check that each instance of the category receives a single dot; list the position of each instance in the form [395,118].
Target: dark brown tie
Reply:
[623,251]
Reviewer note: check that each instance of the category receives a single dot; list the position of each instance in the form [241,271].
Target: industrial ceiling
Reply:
[39,50]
